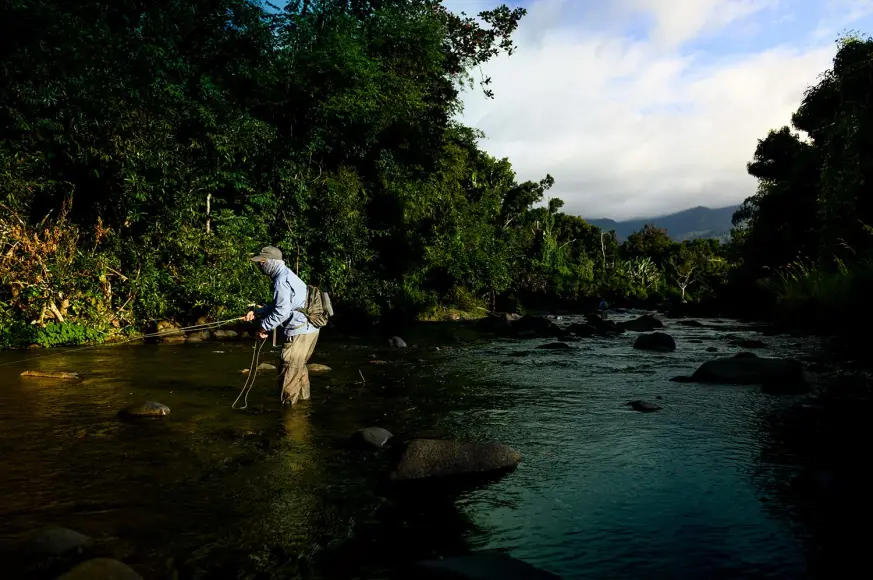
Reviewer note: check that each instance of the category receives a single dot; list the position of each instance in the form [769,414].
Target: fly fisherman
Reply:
[284,313]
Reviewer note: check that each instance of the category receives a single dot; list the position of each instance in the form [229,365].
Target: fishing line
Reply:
[250,380]
[142,337]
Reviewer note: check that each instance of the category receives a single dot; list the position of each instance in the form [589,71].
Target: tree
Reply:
[649,242]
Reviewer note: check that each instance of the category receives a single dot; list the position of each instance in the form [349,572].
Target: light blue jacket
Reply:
[289,294]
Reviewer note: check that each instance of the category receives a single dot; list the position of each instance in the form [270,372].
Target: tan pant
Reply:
[293,374]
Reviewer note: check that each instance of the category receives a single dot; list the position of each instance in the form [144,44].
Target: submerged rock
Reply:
[555,346]
[147,409]
[482,566]
[423,458]
[645,323]
[266,367]
[317,368]
[687,322]
[396,342]
[101,569]
[643,406]
[54,541]
[711,349]
[375,436]
[748,369]
[583,330]
[657,341]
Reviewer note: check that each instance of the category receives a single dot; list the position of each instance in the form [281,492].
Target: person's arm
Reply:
[279,311]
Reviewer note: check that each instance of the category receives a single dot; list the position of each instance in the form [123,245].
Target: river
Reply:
[602,491]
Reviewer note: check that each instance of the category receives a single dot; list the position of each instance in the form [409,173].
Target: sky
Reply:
[640,108]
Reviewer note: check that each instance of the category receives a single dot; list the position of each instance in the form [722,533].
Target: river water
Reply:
[209,492]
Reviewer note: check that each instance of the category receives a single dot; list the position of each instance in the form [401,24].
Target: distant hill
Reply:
[689,224]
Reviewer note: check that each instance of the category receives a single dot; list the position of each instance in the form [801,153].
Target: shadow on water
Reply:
[210,492]
[822,481]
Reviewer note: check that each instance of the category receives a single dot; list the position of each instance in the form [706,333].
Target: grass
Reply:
[834,300]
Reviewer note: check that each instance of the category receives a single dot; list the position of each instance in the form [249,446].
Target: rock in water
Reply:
[266,367]
[643,406]
[396,342]
[584,330]
[748,369]
[375,436]
[147,409]
[317,368]
[536,327]
[482,566]
[225,334]
[199,336]
[422,458]
[657,341]
[694,323]
[101,569]
[645,323]
[555,346]
[54,541]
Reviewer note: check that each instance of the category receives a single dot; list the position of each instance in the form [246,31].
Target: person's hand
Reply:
[250,315]
[262,334]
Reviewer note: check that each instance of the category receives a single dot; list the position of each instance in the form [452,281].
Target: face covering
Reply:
[270,267]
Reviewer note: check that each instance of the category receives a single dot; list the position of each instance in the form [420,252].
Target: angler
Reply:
[297,311]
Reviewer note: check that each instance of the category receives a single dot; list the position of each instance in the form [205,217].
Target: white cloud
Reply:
[638,127]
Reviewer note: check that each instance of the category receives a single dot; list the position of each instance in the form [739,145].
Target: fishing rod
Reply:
[142,337]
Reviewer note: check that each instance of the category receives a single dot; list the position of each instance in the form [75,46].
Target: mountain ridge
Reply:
[688,224]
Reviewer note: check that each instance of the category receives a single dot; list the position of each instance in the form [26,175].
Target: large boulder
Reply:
[424,458]
[657,341]
[645,323]
[54,541]
[747,369]
[482,566]
[146,409]
[101,569]
[536,327]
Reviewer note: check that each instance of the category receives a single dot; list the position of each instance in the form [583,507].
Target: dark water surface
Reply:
[602,491]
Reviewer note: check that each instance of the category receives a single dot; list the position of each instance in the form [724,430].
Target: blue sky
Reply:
[643,107]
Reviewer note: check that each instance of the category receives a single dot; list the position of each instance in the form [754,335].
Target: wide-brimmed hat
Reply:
[267,253]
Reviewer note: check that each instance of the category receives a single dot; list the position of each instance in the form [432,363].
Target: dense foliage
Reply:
[804,241]
[149,147]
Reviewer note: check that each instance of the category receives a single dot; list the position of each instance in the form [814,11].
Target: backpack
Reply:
[318,308]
